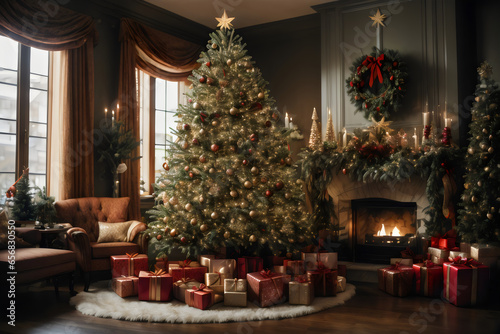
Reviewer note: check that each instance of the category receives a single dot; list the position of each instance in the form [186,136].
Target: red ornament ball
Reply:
[183,239]
[195,141]
[391,78]
[268,124]
[214,147]
[186,168]
[395,64]
[282,162]
[242,104]
[279,185]
[245,162]
[250,151]
[362,84]
[366,105]
[350,83]
[269,193]
[165,167]
[400,88]
[378,108]
[344,171]
[254,137]
[202,79]
[356,97]
[208,63]
[210,81]
[187,127]
[159,236]
[241,93]
[191,174]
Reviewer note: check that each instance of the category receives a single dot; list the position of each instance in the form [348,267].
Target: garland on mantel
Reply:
[380,162]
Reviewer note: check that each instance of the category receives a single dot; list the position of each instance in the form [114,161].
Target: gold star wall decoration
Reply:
[378,18]
[224,21]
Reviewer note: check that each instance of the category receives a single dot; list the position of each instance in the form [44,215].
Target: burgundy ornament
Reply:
[187,127]
[202,79]
[279,185]
[214,147]
[269,193]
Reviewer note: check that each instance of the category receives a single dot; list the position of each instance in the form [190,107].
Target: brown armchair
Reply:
[84,214]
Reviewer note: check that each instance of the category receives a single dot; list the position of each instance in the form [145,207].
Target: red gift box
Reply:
[249,264]
[266,288]
[428,279]
[187,269]
[128,265]
[447,241]
[125,286]
[466,282]
[200,297]
[294,267]
[324,281]
[396,280]
[155,286]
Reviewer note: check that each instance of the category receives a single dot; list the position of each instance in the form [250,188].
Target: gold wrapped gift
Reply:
[235,299]
[181,286]
[341,284]
[300,293]
[235,285]
[215,281]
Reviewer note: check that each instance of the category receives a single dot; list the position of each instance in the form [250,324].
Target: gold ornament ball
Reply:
[203,228]
[254,170]
[288,161]
[194,221]
[485,131]
[486,169]
[233,193]
[229,62]
[196,105]
[466,186]
[479,183]
[302,239]
[261,95]
[483,146]
[202,132]
[173,200]
[291,240]
[229,172]
[214,215]
[215,123]
[173,232]
[165,219]
[232,221]
[214,46]
[474,199]
[188,207]
[288,195]
[252,238]
[490,216]
[244,204]
[233,111]
[227,234]
[201,199]
[185,145]
[491,150]
[248,184]
[470,150]
[211,170]
[247,64]
[253,213]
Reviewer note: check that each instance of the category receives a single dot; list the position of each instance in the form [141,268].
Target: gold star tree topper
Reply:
[485,70]
[224,21]
[378,18]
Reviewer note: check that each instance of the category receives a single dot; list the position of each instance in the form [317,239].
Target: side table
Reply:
[54,237]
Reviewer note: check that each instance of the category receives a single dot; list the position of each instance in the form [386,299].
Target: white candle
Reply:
[117,109]
[105,113]
[415,136]
[287,122]
[448,122]
[344,137]
[291,124]
[112,116]
[445,119]
[426,118]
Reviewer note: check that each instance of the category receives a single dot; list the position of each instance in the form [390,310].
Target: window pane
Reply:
[38,130]
[38,155]
[160,127]
[8,76]
[39,61]
[171,125]
[7,153]
[8,56]
[8,101]
[172,95]
[8,126]
[160,94]
[38,106]
[6,180]
[39,81]
[37,180]
[159,159]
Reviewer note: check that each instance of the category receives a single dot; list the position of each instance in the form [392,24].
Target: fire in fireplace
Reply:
[382,229]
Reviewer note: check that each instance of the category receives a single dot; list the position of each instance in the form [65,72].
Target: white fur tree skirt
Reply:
[102,302]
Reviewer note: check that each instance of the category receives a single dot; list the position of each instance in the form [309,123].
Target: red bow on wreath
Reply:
[374,64]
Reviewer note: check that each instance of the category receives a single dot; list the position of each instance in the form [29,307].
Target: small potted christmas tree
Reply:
[23,208]
[45,209]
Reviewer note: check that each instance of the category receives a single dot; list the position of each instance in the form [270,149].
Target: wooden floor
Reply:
[370,311]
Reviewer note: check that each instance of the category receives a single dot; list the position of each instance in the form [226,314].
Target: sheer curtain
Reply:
[58,103]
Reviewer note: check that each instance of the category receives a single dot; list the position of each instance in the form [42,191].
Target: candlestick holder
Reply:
[446,140]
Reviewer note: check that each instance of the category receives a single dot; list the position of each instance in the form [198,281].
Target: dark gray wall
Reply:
[289,55]
[487,33]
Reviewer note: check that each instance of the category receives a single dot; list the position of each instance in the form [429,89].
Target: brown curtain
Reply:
[161,55]
[48,26]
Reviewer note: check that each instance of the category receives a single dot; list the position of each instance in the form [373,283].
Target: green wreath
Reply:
[376,84]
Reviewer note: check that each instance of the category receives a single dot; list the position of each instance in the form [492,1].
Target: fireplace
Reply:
[382,228]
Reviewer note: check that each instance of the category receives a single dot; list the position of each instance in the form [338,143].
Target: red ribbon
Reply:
[132,255]
[428,264]
[267,273]
[202,117]
[374,64]
[200,288]
[184,263]
[301,279]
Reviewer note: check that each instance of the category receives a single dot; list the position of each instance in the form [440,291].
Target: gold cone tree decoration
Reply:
[330,131]
[315,136]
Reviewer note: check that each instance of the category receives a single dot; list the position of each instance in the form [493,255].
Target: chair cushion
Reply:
[35,258]
[86,212]
[105,250]
[112,232]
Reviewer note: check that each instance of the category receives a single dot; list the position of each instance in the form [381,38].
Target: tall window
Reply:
[24,73]
[159,100]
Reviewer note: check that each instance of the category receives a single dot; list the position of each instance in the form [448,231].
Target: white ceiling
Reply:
[246,12]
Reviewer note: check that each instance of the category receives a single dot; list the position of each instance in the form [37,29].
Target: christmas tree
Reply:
[23,208]
[480,218]
[228,179]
